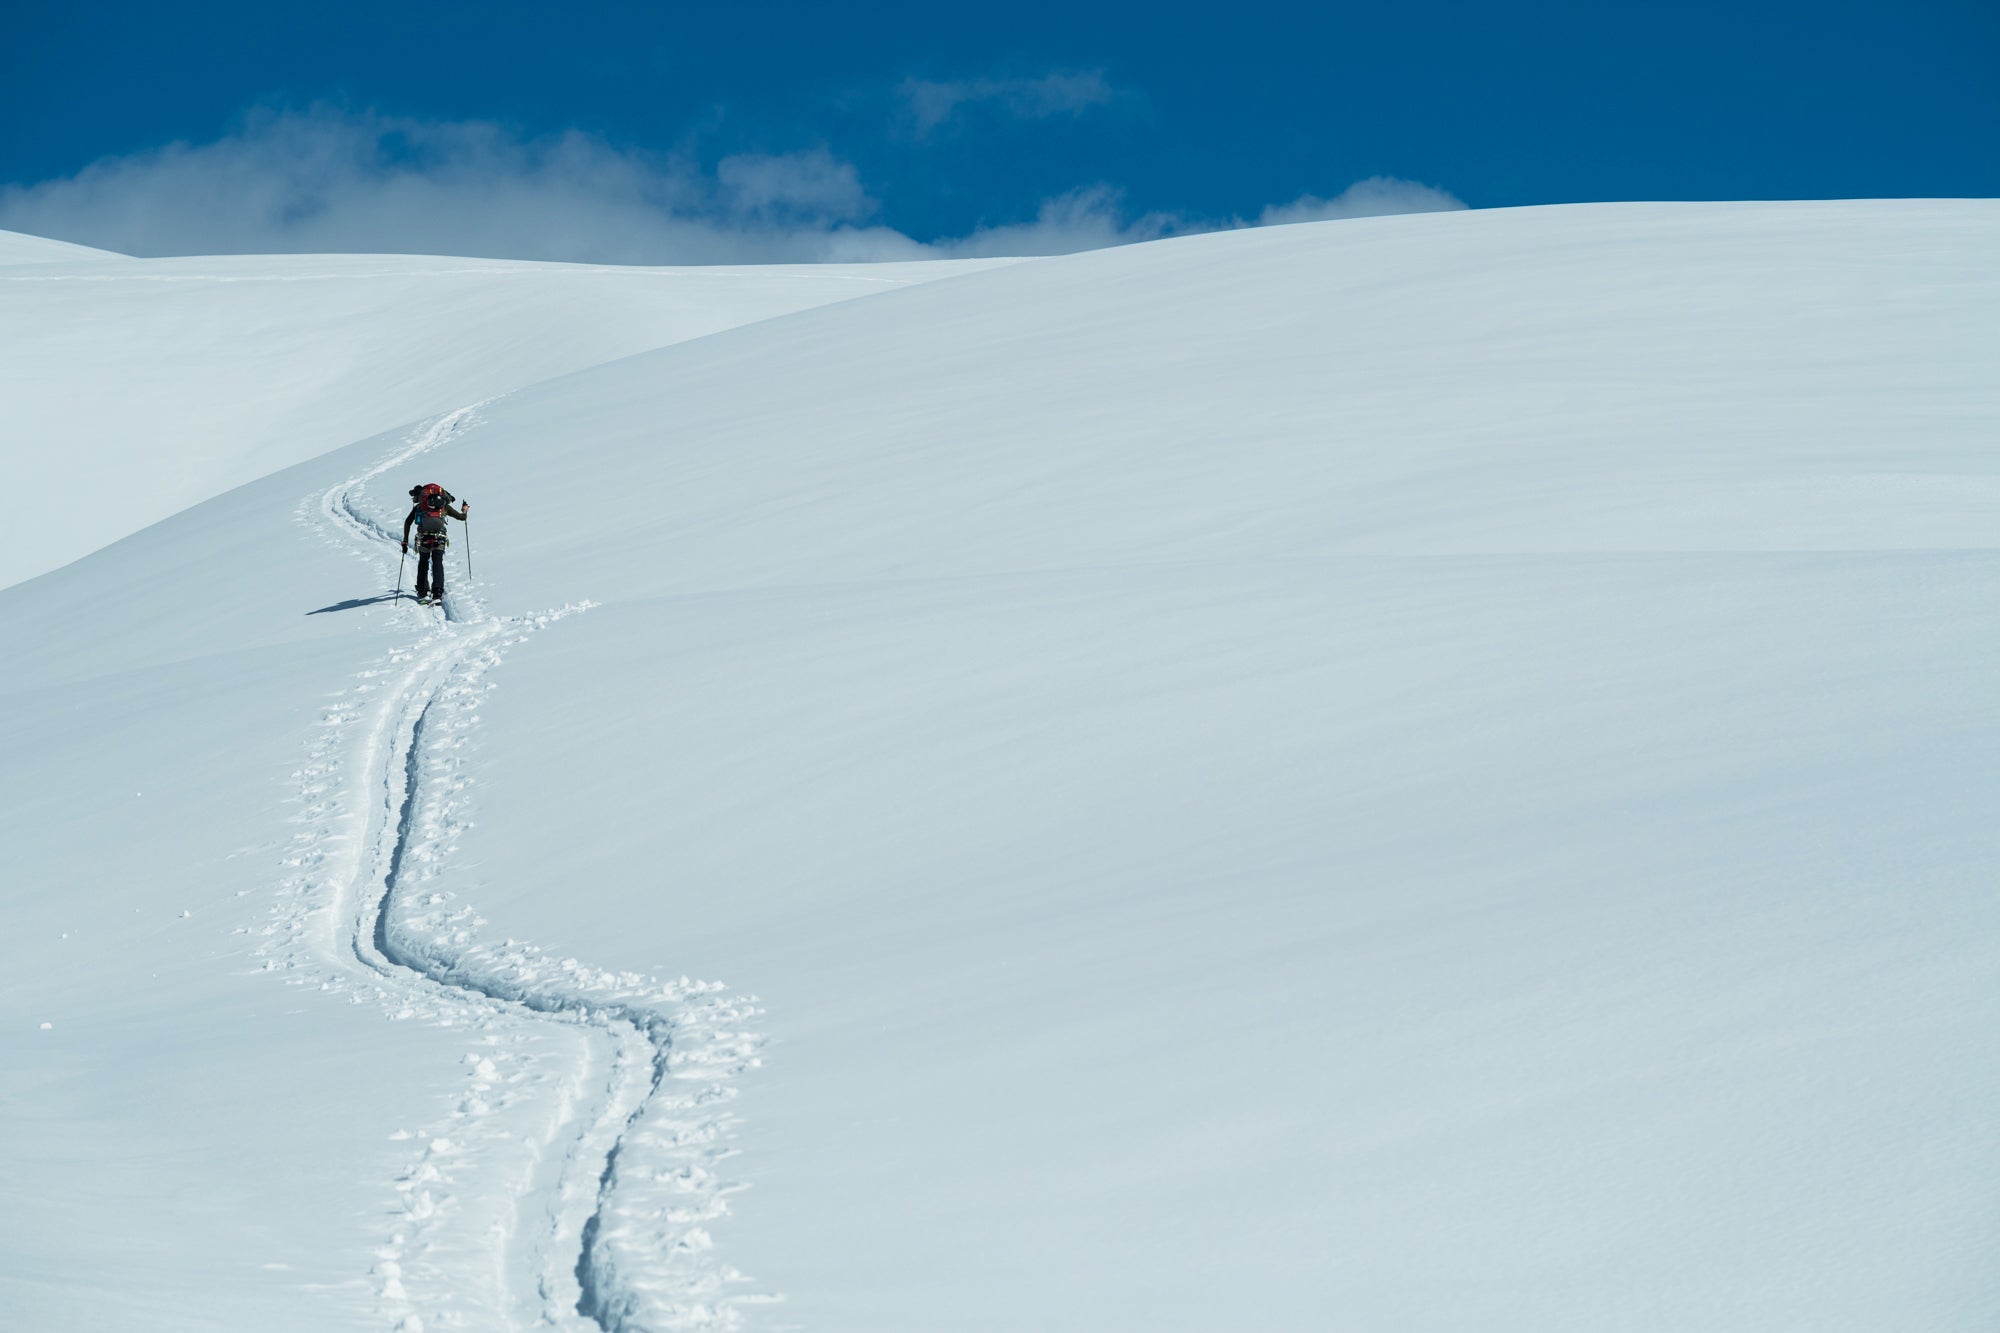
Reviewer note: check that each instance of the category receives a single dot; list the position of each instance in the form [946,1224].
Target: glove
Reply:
[406,548]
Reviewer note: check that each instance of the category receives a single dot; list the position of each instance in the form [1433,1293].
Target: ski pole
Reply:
[468,541]
[399,571]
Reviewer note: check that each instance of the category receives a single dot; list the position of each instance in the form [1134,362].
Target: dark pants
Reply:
[430,571]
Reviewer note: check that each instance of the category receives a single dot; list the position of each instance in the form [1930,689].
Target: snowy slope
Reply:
[20,248]
[136,388]
[1421,773]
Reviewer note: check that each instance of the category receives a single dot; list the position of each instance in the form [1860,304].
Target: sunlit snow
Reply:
[1422,773]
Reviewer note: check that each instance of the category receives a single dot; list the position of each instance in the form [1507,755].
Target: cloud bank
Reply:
[1378,196]
[325,180]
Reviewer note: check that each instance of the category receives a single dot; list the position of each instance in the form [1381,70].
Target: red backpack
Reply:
[431,497]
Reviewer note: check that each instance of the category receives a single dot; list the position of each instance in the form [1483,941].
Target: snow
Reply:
[139,387]
[20,248]
[1416,773]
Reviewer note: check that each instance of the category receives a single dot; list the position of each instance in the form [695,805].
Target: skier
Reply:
[430,506]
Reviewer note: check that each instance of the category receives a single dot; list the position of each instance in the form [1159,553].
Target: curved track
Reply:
[597,1217]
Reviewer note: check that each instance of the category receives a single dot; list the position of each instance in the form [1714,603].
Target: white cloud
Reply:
[932,104]
[812,187]
[1088,219]
[1094,217]
[326,180]
[1378,196]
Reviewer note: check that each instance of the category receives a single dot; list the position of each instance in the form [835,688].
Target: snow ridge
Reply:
[606,1215]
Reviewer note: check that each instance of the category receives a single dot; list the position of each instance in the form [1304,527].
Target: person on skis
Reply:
[430,506]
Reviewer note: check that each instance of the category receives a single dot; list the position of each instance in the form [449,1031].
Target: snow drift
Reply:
[138,387]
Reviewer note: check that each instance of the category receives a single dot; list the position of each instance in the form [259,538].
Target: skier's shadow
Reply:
[353,602]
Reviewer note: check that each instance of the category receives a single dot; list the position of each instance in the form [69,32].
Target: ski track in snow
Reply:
[599,1219]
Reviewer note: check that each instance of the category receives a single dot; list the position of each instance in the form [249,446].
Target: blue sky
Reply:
[389,124]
